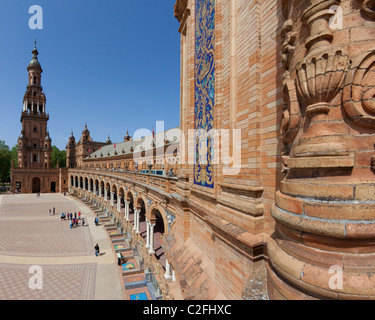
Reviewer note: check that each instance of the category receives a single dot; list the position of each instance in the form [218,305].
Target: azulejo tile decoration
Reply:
[204,91]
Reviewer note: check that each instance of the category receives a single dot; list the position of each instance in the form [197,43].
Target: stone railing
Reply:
[165,183]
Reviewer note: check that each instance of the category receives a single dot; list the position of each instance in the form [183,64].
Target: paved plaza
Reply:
[68,267]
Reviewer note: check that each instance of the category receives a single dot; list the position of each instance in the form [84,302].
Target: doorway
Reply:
[53,187]
[36,185]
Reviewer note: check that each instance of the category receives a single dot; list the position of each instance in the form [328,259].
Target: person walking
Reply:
[96,221]
[49,212]
[83,222]
[53,210]
[97,250]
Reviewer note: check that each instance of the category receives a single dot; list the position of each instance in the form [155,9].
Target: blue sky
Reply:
[114,64]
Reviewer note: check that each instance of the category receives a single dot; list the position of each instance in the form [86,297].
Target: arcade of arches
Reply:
[145,213]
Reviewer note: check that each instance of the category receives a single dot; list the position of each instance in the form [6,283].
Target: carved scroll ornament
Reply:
[368,8]
[359,90]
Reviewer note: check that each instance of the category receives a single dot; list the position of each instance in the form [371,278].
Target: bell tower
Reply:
[34,143]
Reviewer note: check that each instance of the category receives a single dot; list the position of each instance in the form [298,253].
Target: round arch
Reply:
[36,185]
[121,192]
[152,216]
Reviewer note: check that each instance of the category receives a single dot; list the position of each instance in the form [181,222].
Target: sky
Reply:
[114,64]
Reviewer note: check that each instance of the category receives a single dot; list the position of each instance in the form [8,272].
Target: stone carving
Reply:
[368,8]
[291,119]
[289,38]
[320,76]
[179,9]
[170,218]
[359,90]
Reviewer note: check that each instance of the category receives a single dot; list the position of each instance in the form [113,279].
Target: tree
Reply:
[58,156]
[5,162]
[14,155]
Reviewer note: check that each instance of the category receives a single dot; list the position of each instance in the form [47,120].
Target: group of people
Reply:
[74,219]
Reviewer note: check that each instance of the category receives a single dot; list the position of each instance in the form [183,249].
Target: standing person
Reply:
[119,258]
[79,215]
[96,221]
[53,210]
[49,212]
[75,215]
[71,224]
[97,249]
[83,222]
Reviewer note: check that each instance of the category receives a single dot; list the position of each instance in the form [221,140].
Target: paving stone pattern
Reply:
[29,236]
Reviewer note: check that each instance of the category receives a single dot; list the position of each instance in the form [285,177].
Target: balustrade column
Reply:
[105,194]
[94,189]
[83,185]
[152,251]
[100,191]
[89,187]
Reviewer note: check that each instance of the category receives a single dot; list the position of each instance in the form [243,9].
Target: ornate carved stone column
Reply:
[136,220]
[319,78]
[119,199]
[323,244]
[152,251]
[127,203]
[112,198]
[148,235]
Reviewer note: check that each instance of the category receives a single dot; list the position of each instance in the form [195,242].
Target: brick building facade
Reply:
[282,189]
[278,201]
[76,152]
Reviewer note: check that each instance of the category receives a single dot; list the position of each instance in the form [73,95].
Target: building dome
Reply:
[47,138]
[34,61]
